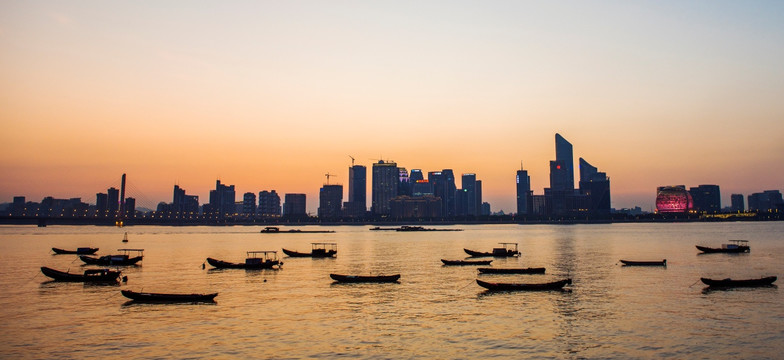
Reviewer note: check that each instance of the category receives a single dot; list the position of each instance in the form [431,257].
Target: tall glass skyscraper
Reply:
[523,182]
[562,169]
[385,184]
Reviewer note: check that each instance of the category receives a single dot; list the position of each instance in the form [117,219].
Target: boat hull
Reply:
[89,276]
[109,260]
[365,279]
[511,271]
[727,283]
[79,251]
[509,253]
[739,249]
[555,285]
[466,262]
[644,263]
[220,264]
[314,254]
[168,298]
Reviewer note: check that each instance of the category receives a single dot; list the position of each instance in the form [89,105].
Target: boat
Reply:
[365,279]
[168,298]
[120,259]
[78,251]
[644,263]
[277,230]
[378,228]
[420,228]
[92,275]
[254,260]
[504,251]
[726,283]
[735,246]
[555,285]
[466,262]
[318,250]
[511,270]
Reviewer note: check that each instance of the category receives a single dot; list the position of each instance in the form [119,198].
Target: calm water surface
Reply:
[434,312]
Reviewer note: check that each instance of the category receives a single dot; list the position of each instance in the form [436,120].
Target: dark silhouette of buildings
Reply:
[222,201]
[330,201]
[269,204]
[769,200]
[183,203]
[707,198]
[249,204]
[524,193]
[420,207]
[738,204]
[596,186]
[356,206]
[294,206]
[385,185]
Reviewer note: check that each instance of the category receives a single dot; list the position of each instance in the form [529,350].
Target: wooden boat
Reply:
[735,246]
[254,260]
[511,270]
[765,281]
[466,262]
[420,228]
[506,250]
[644,263]
[365,279]
[318,250]
[555,285]
[277,230]
[92,275]
[78,251]
[168,298]
[121,259]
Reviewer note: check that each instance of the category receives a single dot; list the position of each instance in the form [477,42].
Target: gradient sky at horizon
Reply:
[273,95]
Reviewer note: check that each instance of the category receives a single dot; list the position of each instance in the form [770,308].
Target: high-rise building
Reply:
[269,204]
[385,186]
[707,198]
[421,188]
[765,201]
[415,175]
[479,197]
[738,204]
[356,206]
[101,204]
[468,181]
[564,163]
[184,203]
[450,191]
[249,204]
[404,184]
[112,201]
[330,200]
[222,200]
[596,186]
[524,192]
[294,206]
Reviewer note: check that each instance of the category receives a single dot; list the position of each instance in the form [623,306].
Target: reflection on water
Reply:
[435,311]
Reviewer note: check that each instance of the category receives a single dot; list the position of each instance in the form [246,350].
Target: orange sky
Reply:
[273,96]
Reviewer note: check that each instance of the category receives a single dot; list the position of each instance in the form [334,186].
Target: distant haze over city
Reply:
[272,95]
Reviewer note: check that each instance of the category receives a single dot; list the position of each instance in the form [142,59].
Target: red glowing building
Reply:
[673,199]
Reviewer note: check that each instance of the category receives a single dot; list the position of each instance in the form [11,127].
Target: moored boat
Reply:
[365,279]
[511,270]
[506,250]
[662,262]
[735,246]
[119,259]
[277,230]
[254,260]
[466,262]
[92,275]
[764,281]
[318,250]
[168,298]
[78,251]
[555,285]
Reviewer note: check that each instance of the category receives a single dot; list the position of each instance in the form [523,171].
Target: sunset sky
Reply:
[273,95]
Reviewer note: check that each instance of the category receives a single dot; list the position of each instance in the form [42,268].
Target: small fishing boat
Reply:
[555,285]
[253,260]
[365,279]
[92,275]
[168,298]
[277,230]
[120,259]
[78,251]
[735,246]
[506,250]
[421,228]
[644,263]
[726,283]
[511,270]
[318,250]
[466,262]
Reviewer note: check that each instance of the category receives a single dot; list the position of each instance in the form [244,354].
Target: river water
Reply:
[434,311]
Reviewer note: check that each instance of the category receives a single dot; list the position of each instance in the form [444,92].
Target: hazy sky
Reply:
[273,95]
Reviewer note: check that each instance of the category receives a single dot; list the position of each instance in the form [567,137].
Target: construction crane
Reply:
[352,160]
[328,176]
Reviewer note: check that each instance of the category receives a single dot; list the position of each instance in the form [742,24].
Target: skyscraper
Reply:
[524,193]
[564,179]
[294,206]
[468,181]
[737,203]
[269,204]
[222,200]
[596,186]
[385,186]
[706,198]
[249,204]
[356,206]
[450,191]
[330,200]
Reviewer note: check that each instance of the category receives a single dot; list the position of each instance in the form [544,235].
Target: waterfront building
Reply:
[420,207]
[385,186]
[330,201]
[112,201]
[222,200]
[485,209]
[468,181]
[101,203]
[595,186]
[184,203]
[404,183]
[768,200]
[269,204]
[294,206]
[524,193]
[563,177]
[422,188]
[673,199]
[478,197]
[707,198]
[415,175]
[249,204]
[737,202]
[357,192]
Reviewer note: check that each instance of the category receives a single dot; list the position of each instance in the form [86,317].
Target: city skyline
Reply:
[273,96]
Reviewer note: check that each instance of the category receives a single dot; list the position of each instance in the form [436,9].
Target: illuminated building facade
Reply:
[673,199]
